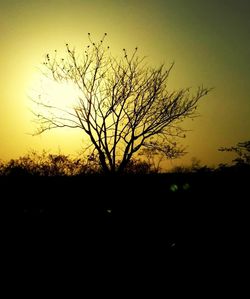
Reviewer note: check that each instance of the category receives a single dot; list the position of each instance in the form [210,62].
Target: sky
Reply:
[208,41]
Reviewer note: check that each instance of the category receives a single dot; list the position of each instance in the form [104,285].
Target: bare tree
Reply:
[124,105]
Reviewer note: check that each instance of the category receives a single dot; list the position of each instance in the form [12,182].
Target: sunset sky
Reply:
[209,41]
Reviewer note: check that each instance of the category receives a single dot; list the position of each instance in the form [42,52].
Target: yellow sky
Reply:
[209,46]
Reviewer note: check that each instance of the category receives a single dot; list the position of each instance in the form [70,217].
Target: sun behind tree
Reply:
[123,105]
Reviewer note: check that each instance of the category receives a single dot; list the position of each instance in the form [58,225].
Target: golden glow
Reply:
[212,51]
[63,95]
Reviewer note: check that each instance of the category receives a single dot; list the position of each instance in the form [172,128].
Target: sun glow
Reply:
[43,92]
[63,95]
[54,100]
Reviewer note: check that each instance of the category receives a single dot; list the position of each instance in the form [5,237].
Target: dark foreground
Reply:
[152,218]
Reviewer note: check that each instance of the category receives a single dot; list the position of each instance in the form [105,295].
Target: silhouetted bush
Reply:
[242,152]
[136,166]
[46,164]
[241,163]
[195,167]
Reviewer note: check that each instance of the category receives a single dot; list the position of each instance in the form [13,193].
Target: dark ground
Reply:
[151,219]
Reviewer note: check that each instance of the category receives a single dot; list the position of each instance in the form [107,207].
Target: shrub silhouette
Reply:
[242,151]
[46,164]
[242,160]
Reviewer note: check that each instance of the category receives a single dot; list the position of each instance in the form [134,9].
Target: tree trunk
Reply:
[103,162]
[123,164]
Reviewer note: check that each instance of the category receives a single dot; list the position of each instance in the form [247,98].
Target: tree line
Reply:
[47,164]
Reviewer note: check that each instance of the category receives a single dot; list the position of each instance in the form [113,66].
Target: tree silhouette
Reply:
[242,151]
[123,104]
